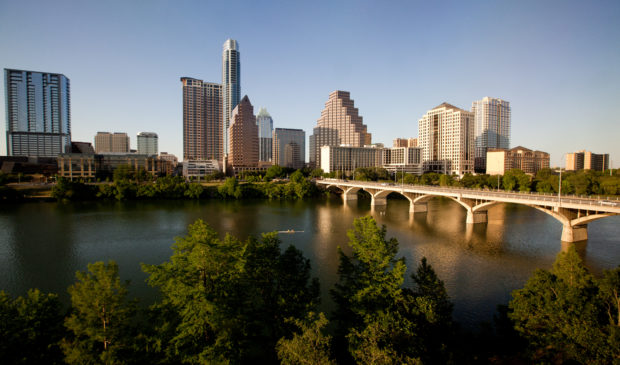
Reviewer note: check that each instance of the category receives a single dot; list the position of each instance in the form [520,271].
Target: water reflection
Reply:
[43,244]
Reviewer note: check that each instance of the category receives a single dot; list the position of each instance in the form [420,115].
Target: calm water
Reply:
[43,244]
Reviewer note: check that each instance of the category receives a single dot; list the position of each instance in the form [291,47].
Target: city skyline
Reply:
[554,64]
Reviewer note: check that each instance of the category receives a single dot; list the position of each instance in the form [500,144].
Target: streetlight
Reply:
[560,184]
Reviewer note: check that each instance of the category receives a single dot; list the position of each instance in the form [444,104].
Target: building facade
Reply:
[446,136]
[586,160]
[87,165]
[38,113]
[405,142]
[501,160]
[231,85]
[147,143]
[265,135]
[243,136]
[346,159]
[202,120]
[492,128]
[402,159]
[289,147]
[106,142]
[199,169]
[168,163]
[339,124]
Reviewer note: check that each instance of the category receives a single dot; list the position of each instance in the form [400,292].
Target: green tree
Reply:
[124,172]
[561,315]
[100,317]
[510,180]
[30,328]
[228,300]
[445,180]
[274,172]
[308,346]
[230,188]
[194,190]
[316,173]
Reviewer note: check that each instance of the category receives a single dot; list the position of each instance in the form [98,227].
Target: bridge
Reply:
[573,212]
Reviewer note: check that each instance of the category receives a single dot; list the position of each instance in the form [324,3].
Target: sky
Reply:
[556,62]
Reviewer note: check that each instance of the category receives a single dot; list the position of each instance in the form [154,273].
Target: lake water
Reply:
[43,244]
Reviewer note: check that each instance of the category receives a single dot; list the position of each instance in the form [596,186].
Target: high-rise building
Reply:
[492,128]
[289,147]
[265,138]
[202,120]
[339,124]
[147,143]
[231,85]
[446,136]
[106,142]
[243,136]
[586,160]
[38,113]
[501,160]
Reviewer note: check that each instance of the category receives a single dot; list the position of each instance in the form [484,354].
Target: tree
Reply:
[230,188]
[308,346]
[194,190]
[273,172]
[371,278]
[100,316]
[316,173]
[445,180]
[31,328]
[561,314]
[228,300]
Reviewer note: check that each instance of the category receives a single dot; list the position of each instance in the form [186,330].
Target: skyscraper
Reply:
[147,143]
[289,147]
[492,128]
[243,136]
[202,120]
[446,136]
[339,124]
[38,113]
[231,85]
[265,139]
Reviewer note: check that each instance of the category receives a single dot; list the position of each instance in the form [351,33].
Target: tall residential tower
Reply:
[38,113]
[231,85]
[202,120]
[492,128]
[339,124]
[446,136]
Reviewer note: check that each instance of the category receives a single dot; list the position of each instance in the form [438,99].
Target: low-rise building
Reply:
[346,159]
[586,160]
[199,169]
[403,159]
[501,160]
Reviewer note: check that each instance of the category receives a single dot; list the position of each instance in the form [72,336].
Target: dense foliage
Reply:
[224,300]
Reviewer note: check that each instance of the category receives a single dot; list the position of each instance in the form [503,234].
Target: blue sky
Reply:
[557,62]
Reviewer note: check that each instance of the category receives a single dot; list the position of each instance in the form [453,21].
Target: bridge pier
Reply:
[377,201]
[417,207]
[476,217]
[574,233]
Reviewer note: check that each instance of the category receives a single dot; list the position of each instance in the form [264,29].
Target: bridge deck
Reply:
[602,205]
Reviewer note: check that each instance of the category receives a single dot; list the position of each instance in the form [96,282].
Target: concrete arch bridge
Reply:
[573,212]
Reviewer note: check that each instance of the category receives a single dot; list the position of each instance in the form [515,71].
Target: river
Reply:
[43,244]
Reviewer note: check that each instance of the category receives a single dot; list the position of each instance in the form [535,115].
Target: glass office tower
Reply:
[38,113]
